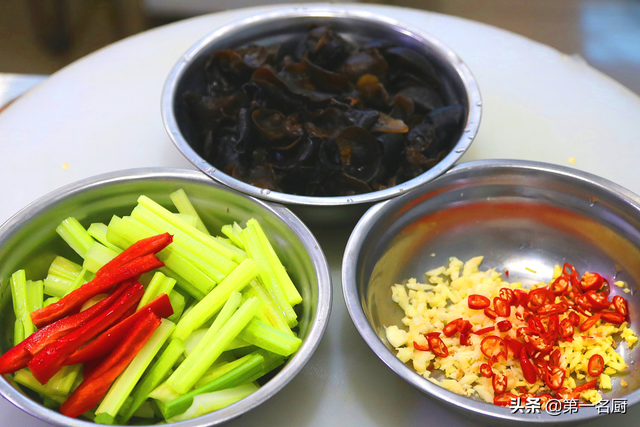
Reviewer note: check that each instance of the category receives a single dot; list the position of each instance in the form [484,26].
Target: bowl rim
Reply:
[318,325]
[366,331]
[336,12]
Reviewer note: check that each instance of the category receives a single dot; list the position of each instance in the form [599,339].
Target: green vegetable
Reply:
[62,267]
[60,384]
[97,256]
[35,295]
[75,235]
[214,301]
[269,338]
[219,369]
[206,403]
[50,301]
[18,332]
[85,276]
[184,206]
[20,304]
[159,284]
[269,307]
[98,231]
[189,219]
[233,234]
[177,303]
[26,378]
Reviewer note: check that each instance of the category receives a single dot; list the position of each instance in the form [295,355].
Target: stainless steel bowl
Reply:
[459,85]
[28,240]
[517,214]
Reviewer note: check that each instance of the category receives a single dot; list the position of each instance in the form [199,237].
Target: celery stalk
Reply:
[177,303]
[189,219]
[50,301]
[98,231]
[210,402]
[64,268]
[221,262]
[275,316]
[184,206]
[164,393]
[265,336]
[18,332]
[214,301]
[20,304]
[249,366]
[123,386]
[75,235]
[104,418]
[56,286]
[35,295]
[97,256]
[219,369]
[26,378]
[293,296]
[230,232]
[85,276]
[267,276]
[271,362]
[189,371]
[60,384]
[160,284]
[153,377]
[227,251]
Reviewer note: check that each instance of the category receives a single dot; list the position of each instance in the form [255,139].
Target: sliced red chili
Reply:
[437,346]
[571,272]
[451,328]
[554,377]
[621,306]
[478,302]
[591,282]
[504,326]
[464,339]
[586,386]
[486,371]
[565,393]
[508,295]
[566,329]
[544,398]
[492,346]
[613,317]
[539,298]
[464,327]
[589,322]
[514,345]
[485,330]
[535,344]
[522,297]
[528,370]
[490,313]
[554,357]
[504,399]
[499,383]
[584,312]
[502,307]
[560,285]
[420,347]
[596,365]
[553,325]
[597,301]
[536,324]
[574,318]
[553,309]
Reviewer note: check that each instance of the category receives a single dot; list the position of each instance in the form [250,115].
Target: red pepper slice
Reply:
[536,324]
[596,365]
[620,304]
[437,346]
[554,357]
[535,344]
[499,383]
[478,302]
[451,328]
[486,371]
[464,339]
[508,295]
[95,386]
[485,330]
[528,370]
[571,272]
[591,282]
[566,329]
[589,322]
[539,298]
[560,285]
[420,347]
[504,399]
[150,245]
[553,324]
[492,346]
[50,360]
[73,302]
[554,377]
[464,327]
[490,313]
[550,309]
[584,312]
[501,307]
[613,317]
[504,325]
[522,297]
[574,318]
[514,345]
[109,339]
[565,393]
[597,301]
[586,386]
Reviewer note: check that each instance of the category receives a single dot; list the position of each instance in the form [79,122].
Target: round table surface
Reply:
[102,113]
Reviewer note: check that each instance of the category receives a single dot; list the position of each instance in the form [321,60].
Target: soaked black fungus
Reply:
[322,116]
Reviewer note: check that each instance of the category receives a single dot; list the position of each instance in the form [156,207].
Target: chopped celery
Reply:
[177,303]
[164,393]
[97,256]
[209,402]
[98,231]
[189,219]
[154,376]
[35,295]
[85,276]
[75,235]
[104,418]
[50,301]
[123,386]
[248,367]
[265,336]
[20,304]
[64,268]
[60,384]
[57,286]
[267,276]
[219,369]
[275,316]
[197,336]
[160,284]
[227,251]
[221,262]
[184,206]
[18,332]
[26,378]
[214,301]
[144,411]
[196,364]
[271,362]
[293,296]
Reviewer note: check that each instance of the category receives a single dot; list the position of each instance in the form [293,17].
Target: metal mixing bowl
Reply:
[516,214]
[459,86]
[28,241]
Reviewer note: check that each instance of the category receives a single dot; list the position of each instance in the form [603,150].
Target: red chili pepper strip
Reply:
[89,367]
[485,330]
[591,282]
[620,304]
[554,377]
[566,329]
[597,301]
[590,322]
[150,245]
[451,328]
[51,359]
[504,399]
[551,309]
[490,313]
[73,302]
[478,302]
[437,346]
[574,318]
[514,345]
[95,386]
[528,370]
[596,365]
[586,386]
[464,327]
[420,347]
[554,358]
[504,325]
[499,383]
[464,339]
[501,307]
[613,317]
[109,339]
[486,371]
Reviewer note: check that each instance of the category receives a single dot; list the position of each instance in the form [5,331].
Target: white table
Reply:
[102,113]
